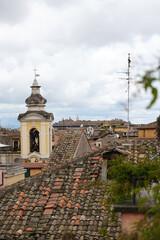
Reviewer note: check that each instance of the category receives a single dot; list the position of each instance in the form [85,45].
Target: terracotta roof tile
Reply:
[57,187]
[11,213]
[85,181]
[74,191]
[29,229]
[95,165]
[21,194]
[62,201]
[77,205]
[59,180]
[20,231]
[77,173]
[23,207]
[94,175]
[64,197]
[75,186]
[20,213]
[60,204]
[58,183]
[41,203]
[49,206]
[77,176]
[15,206]
[77,222]
[77,180]
[82,192]
[83,218]
[46,193]
[25,204]
[78,169]
[69,204]
[20,198]
[54,195]
[96,158]
[48,211]
[74,218]
[18,202]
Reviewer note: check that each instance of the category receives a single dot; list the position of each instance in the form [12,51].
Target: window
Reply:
[15,145]
[16,160]
[34,140]
[1,178]
[27,173]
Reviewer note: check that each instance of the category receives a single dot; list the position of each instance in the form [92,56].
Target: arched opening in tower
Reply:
[34,140]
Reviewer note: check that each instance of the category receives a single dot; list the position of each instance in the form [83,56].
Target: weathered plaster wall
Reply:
[14,179]
[128,220]
[34,171]
[45,138]
[146,133]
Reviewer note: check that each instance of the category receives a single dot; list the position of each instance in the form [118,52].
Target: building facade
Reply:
[148,130]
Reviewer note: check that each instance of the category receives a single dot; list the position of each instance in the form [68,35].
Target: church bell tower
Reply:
[36,127]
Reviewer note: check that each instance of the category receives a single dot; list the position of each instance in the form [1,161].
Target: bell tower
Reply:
[36,127]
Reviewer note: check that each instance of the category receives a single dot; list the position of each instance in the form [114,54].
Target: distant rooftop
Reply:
[151,125]
[86,123]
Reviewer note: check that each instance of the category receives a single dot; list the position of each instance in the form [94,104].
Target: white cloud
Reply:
[78,47]
[12,12]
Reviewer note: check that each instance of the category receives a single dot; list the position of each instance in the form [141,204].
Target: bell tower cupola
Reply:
[35,101]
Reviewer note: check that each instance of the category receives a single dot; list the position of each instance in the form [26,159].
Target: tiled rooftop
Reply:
[33,165]
[70,144]
[57,204]
[8,137]
[151,125]
[77,123]
[61,202]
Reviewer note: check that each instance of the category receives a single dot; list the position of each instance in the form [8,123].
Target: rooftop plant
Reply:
[146,174]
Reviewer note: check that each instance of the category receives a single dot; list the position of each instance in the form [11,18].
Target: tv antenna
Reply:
[128,90]
[128,81]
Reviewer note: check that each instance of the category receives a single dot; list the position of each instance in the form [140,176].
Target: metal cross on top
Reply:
[35,74]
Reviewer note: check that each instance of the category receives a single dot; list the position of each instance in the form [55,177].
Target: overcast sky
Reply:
[78,48]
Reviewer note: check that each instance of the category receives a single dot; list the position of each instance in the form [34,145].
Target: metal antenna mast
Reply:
[128,79]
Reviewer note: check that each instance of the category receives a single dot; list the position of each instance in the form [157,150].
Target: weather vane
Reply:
[35,74]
